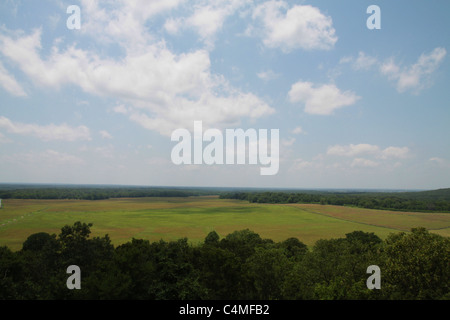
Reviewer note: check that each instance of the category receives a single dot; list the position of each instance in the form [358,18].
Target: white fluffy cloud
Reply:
[362,62]
[355,156]
[214,111]
[9,83]
[165,90]
[122,21]
[415,77]
[206,18]
[395,153]
[300,27]
[322,99]
[121,109]
[50,132]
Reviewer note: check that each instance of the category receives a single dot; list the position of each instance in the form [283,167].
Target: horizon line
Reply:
[214,187]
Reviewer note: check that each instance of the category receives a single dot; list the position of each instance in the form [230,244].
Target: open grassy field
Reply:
[195,217]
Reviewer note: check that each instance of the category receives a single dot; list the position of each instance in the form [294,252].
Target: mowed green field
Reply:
[195,217]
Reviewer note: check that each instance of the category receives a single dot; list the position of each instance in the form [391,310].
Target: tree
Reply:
[294,248]
[37,241]
[334,269]
[212,238]
[368,238]
[242,243]
[267,269]
[136,260]
[220,272]
[417,266]
[10,269]
[175,277]
[90,255]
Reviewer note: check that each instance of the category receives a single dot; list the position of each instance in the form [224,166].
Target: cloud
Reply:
[395,152]
[53,21]
[207,18]
[120,109]
[105,151]
[4,139]
[298,130]
[360,162]
[322,99]
[440,162]
[214,111]
[105,134]
[288,142]
[52,156]
[124,22]
[173,25]
[164,90]
[417,76]
[346,59]
[9,83]
[268,75]
[348,158]
[47,158]
[300,27]
[437,160]
[362,62]
[50,132]
[300,164]
[354,150]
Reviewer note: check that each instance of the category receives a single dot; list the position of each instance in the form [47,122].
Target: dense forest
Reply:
[239,266]
[428,201]
[94,193]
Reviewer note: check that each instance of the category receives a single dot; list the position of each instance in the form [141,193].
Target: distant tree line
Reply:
[428,201]
[384,201]
[95,193]
[240,266]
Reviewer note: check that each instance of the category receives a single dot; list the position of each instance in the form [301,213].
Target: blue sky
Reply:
[356,108]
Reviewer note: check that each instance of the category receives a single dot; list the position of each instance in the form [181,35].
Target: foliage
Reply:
[417,265]
[426,201]
[94,193]
[241,265]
